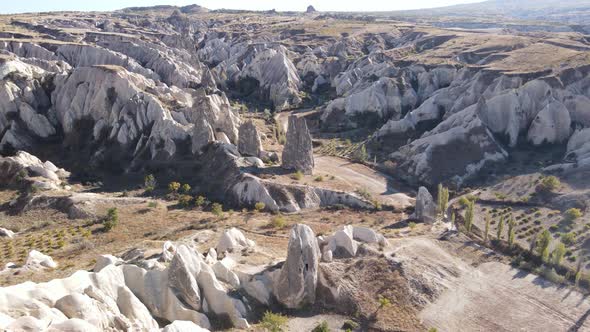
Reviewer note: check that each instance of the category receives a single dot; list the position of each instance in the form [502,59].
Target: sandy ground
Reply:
[491,296]
[354,176]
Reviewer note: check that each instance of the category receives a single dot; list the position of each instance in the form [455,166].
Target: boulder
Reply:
[223,271]
[249,143]
[297,281]
[37,260]
[342,244]
[183,326]
[6,233]
[105,260]
[310,9]
[425,210]
[233,239]
[298,151]
[168,251]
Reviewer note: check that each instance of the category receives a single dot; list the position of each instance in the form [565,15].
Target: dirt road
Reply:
[352,176]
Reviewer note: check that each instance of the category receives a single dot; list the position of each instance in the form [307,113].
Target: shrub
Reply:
[149,183]
[364,193]
[185,201]
[412,225]
[568,238]
[469,214]
[153,204]
[199,201]
[273,322]
[350,325]
[549,183]
[278,221]
[500,229]
[543,242]
[298,175]
[173,187]
[319,178]
[111,220]
[463,201]
[500,196]
[217,209]
[21,175]
[185,189]
[321,327]
[443,199]
[558,253]
[258,207]
[572,214]
[383,302]
[360,154]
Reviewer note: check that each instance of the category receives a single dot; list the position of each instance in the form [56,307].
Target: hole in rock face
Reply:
[306,267]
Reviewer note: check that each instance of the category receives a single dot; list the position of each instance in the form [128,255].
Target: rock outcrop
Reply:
[249,143]
[24,167]
[425,210]
[298,151]
[297,281]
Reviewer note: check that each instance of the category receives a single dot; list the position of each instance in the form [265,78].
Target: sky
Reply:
[12,6]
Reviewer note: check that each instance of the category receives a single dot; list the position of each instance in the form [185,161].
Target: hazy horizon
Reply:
[294,5]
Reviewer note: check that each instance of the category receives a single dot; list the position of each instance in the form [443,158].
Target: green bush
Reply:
[350,325]
[185,200]
[111,220]
[568,238]
[550,183]
[360,154]
[319,178]
[153,204]
[278,221]
[149,183]
[273,322]
[463,201]
[200,201]
[260,206]
[298,175]
[364,193]
[185,189]
[321,327]
[217,209]
[173,187]
[572,214]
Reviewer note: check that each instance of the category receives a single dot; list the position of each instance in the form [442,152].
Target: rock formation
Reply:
[310,9]
[297,280]
[249,143]
[298,151]
[425,210]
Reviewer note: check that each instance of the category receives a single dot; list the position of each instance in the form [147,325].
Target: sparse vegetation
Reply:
[259,207]
[173,187]
[111,220]
[549,184]
[469,214]
[360,155]
[184,201]
[217,209]
[558,253]
[298,176]
[443,199]
[500,228]
[487,228]
[185,189]
[200,201]
[149,183]
[572,214]
[543,243]
[278,221]
[321,327]
[273,322]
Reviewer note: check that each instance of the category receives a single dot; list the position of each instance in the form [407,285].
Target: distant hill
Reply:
[561,11]
[189,9]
